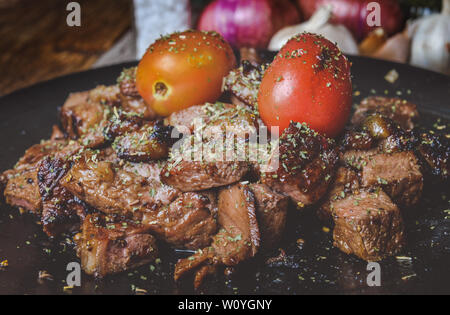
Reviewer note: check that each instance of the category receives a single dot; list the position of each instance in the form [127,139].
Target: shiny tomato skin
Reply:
[309,81]
[184,69]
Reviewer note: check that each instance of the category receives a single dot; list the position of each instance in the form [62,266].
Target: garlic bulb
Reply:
[431,41]
[318,24]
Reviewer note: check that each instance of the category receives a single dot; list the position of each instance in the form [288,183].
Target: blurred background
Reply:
[36,43]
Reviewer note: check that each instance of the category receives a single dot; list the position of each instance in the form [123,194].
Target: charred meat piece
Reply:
[185,120]
[368,225]
[79,115]
[105,95]
[61,211]
[357,140]
[243,82]
[271,213]
[397,173]
[307,163]
[22,191]
[400,111]
[188,175]
[129,96]
[435,151]
[238,238]
[108,245]
[150,171]
[219,158]
[216,118]
[21,184]
[229,119]
[378,131]
[188,222]
[150,142]
[120,123]
[109,188]
[345,182]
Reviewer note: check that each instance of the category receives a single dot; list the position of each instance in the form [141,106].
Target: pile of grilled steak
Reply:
[110,177]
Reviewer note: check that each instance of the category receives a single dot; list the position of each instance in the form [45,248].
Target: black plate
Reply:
[26,117]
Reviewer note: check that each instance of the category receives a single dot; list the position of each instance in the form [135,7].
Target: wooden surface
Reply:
[36,44]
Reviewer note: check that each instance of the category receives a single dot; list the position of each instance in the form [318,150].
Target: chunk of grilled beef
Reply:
[195,176]
[109,245]
[219,158]
[271,214]
[79,114]
[21,184]
[150,171]
[122,122]
[355,139]
[368,224]
[151,141]
[243,82]
[105,95]
[22,191]
[109,188]
[434,150]
[211,119]
[62,212]
[397,173]
[188,222]
[345,182]
[401,111]
[239,237]
[186,119]
[237,240]
[130,98]
[307,163]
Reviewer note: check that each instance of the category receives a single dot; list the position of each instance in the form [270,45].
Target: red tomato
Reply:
[309,81]
[184,69]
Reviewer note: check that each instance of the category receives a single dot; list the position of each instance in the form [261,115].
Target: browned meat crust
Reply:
[243,82]
[434,150]
[368,225]
[184,120]
[345,182]
[211,168]
[238,238]
[61,211]
[109,245]
[271,213]
[79,114]
[194,176]
[218,117]
[150,142]
[401,111]
[22,191]
[397,173]
[112,190]
[188,222]
[307,163]
[21,184]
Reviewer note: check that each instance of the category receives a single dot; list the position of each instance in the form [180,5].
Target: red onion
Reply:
[353,14]
[248,23]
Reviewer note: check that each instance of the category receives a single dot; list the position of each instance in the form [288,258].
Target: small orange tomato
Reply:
[184,69]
